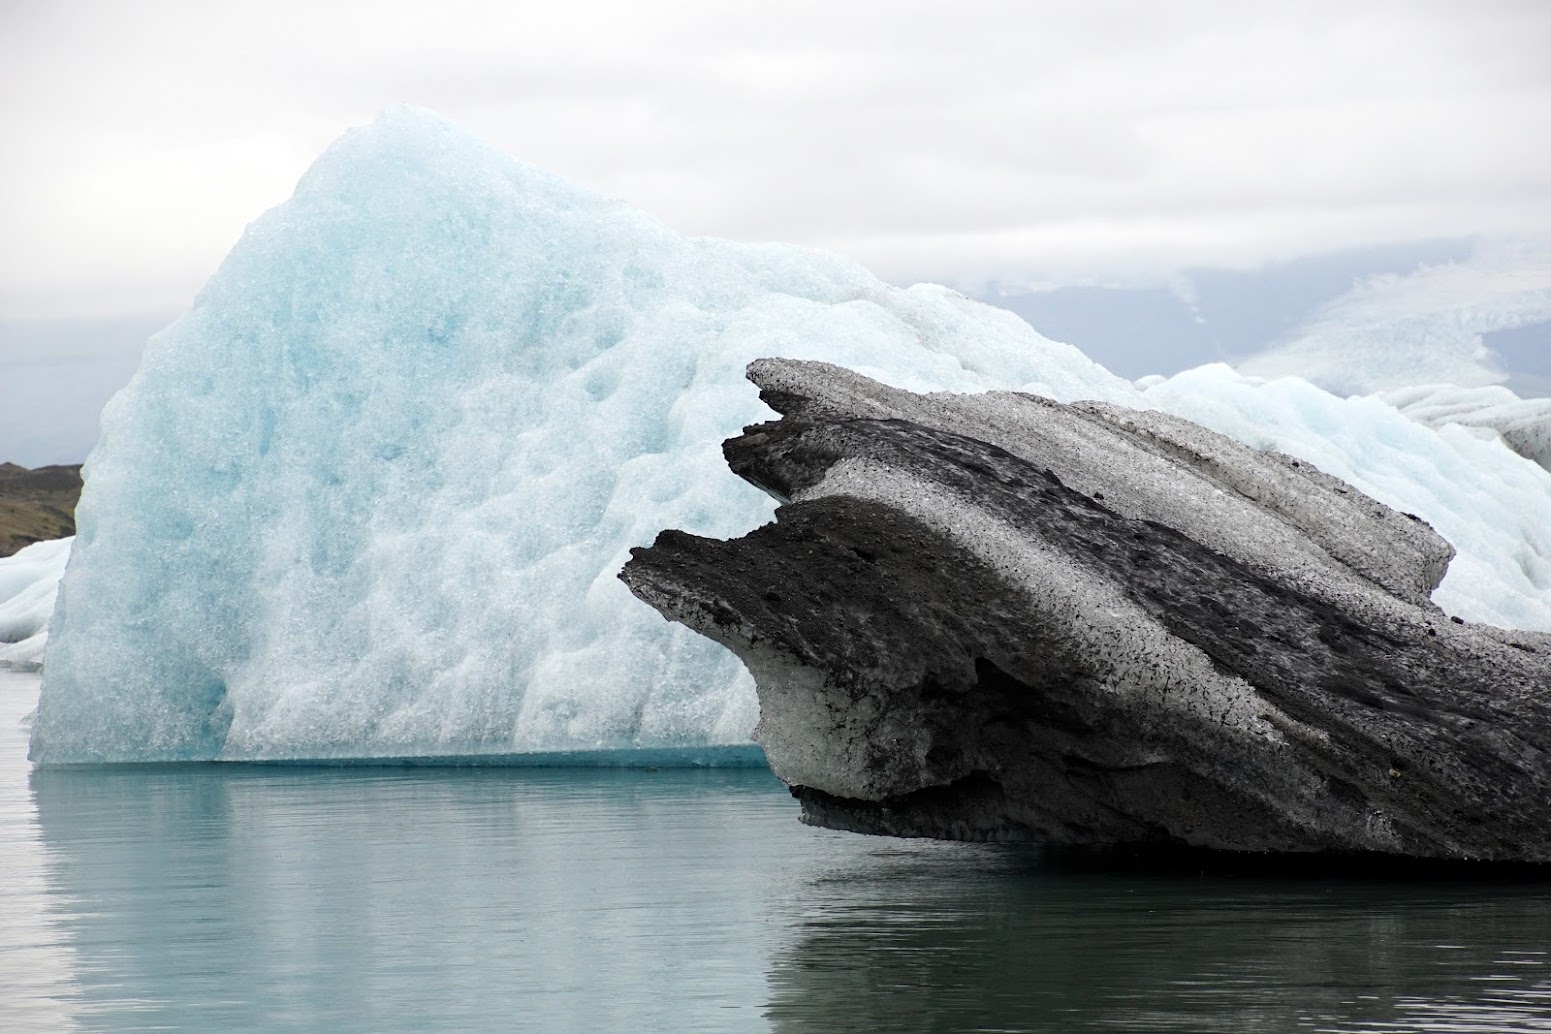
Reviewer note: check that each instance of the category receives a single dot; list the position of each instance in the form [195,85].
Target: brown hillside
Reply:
[36,504]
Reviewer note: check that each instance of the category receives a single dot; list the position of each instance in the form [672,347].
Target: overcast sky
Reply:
[1011,141]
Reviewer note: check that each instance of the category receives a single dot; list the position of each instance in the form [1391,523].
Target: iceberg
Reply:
[368,497]
[995,617]
[1487,500]
[1493,411]
[29,583]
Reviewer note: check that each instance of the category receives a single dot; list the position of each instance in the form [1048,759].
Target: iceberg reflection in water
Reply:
[234,897]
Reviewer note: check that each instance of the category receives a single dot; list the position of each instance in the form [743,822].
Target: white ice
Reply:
[1490,412]
[369,496]
[29,582]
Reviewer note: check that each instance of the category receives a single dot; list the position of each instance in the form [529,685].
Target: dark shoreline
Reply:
[37,505]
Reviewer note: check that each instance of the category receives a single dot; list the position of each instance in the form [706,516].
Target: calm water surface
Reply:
[210,898]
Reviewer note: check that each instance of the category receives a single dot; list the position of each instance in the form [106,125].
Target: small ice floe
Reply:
[29,584]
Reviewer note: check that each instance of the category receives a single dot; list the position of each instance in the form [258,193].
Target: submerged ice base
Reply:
[368,497]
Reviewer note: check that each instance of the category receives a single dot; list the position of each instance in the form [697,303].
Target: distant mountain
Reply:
[1209,315]
[1463,312]
[36,505]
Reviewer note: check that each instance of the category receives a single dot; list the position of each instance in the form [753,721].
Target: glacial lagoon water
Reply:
[244,898]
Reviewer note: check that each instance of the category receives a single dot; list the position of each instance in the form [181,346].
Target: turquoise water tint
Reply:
[237,898]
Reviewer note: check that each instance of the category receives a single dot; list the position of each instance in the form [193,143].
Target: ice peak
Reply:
[368,496]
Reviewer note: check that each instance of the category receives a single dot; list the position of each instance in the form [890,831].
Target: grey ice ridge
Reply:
[1002,617]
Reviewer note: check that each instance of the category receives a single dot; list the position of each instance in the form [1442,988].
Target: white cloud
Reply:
[992,141]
